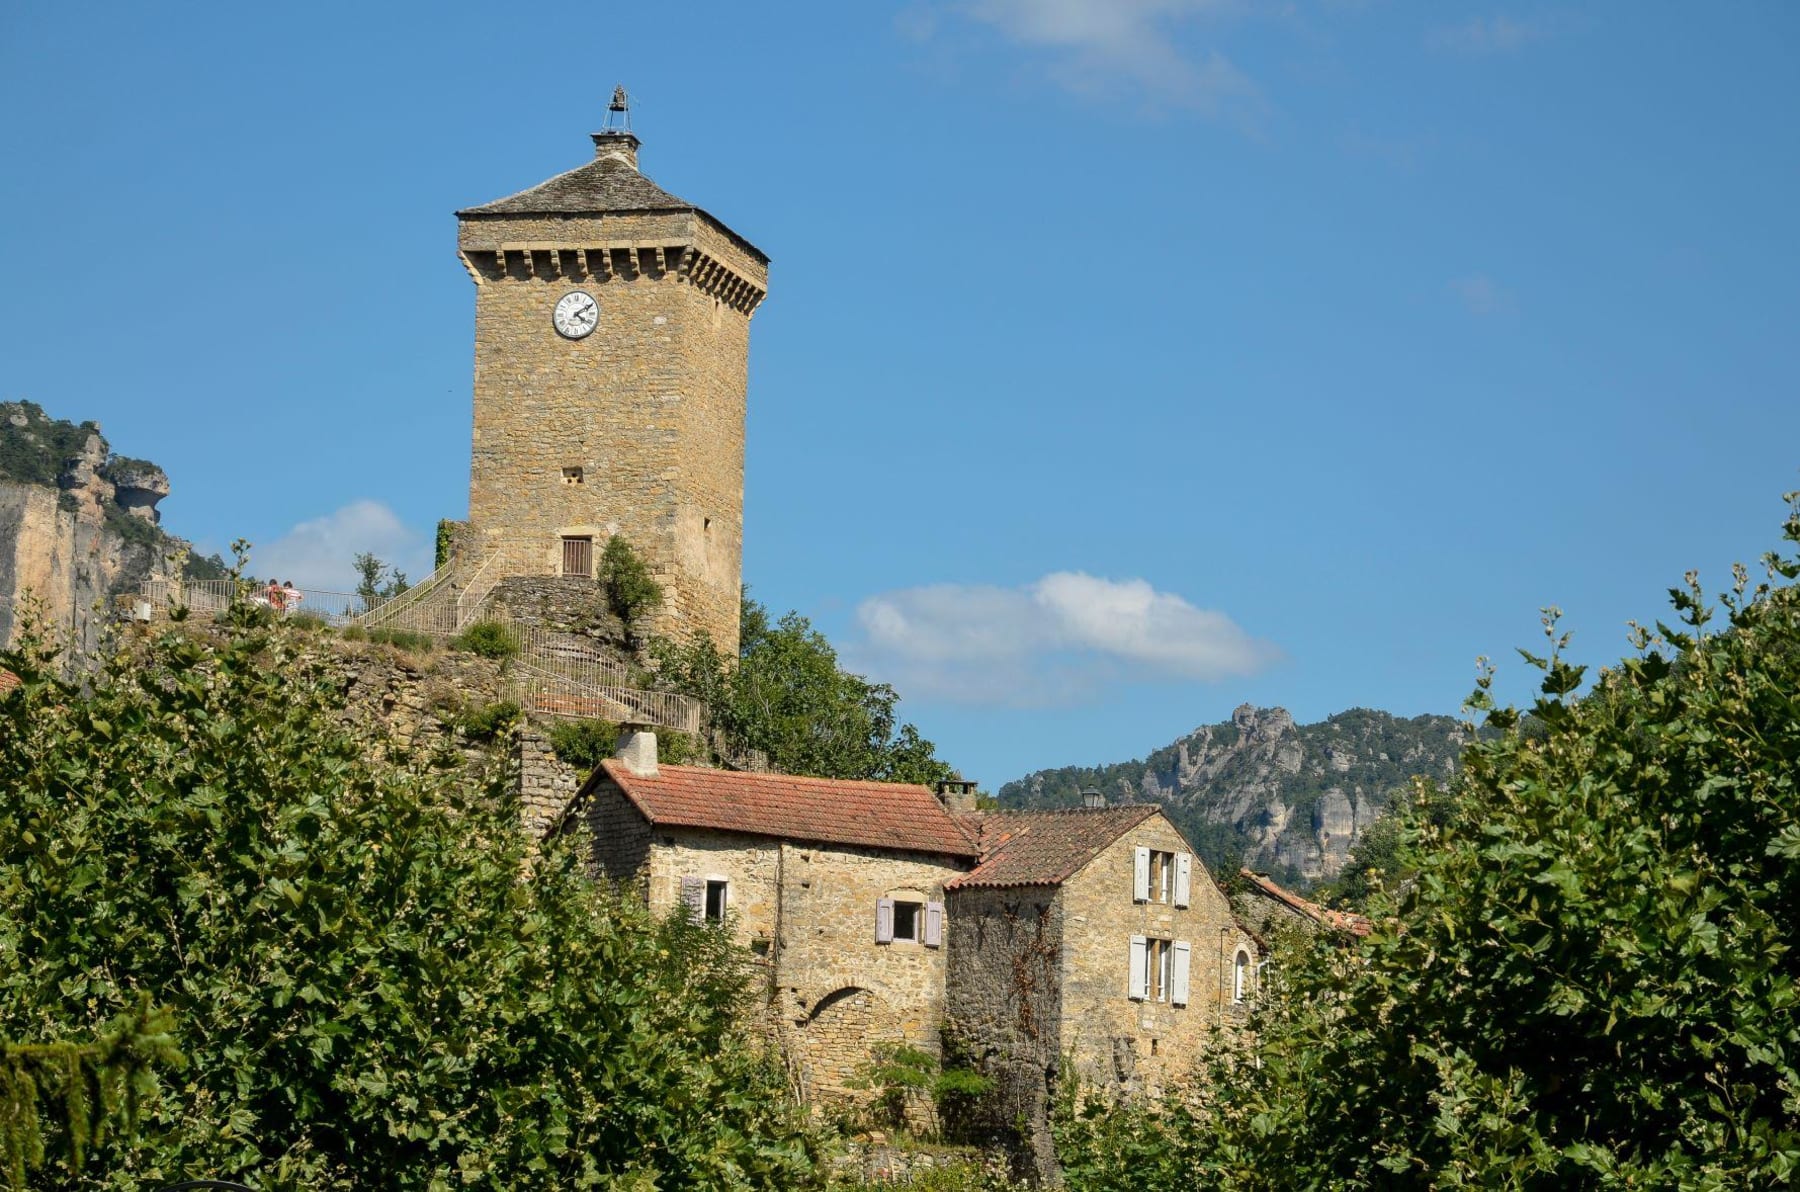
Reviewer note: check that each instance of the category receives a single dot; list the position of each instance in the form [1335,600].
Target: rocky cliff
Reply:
[1288,799]
[77,523]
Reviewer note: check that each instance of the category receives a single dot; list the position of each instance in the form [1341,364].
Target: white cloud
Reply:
[1490,35]
[1096,45]
[1482,295]
[320,553]
[1058,640]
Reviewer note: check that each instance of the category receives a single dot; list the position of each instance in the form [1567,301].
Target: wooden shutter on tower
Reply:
[884,920]
[934,924]
[1184,881]
[1140,968]
[1178,980]
[1140,874]
[693,896]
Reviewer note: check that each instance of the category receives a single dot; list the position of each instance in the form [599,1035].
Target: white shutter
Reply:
[1140,968]
[1184,865]
[693,896]
[884,920]
[1140,874]
[1178,982]
[934,924]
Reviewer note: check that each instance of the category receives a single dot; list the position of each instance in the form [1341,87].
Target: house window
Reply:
[1156,969]
[1240,976]
[1160,970]
[907,921]
[1162,877]
[578,556]
[715,901]
[572,475]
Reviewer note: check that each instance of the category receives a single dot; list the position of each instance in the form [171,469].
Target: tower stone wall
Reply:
[636,428]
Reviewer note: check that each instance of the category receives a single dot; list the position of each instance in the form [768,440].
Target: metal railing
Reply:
[213,597]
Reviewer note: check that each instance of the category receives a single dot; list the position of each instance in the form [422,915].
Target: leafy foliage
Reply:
[630,590]
[787,697]
[375,989]
[584,744]
[1589,982]
[376,581]
[489,639]
[484,722]
[98,1086]
[446,542]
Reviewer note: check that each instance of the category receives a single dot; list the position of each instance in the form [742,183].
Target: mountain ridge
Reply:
[1287,799]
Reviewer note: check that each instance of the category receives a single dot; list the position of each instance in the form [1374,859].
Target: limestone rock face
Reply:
[1291,799]
[69,532]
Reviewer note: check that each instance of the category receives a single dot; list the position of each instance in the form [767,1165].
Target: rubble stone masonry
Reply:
[637,428]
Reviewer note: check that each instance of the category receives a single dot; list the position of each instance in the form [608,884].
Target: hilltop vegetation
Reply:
[1588,980]
[371,984]
[1288,799]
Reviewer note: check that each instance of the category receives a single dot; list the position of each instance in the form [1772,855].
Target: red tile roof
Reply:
[1337,920]
[8,681]
[1044,848]
[888,815]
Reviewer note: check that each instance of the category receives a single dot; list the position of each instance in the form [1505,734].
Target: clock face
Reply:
[576,314]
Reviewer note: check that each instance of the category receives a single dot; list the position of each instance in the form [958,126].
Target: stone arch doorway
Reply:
[833,1042]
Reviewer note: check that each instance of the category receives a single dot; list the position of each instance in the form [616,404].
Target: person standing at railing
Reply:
[290,595]
[276,597]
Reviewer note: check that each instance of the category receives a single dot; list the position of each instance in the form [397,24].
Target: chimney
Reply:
[956,794]
[1092,799]
[617,144]
[637,750]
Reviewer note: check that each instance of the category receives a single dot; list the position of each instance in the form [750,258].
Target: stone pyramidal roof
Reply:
[610,184]
[602,185]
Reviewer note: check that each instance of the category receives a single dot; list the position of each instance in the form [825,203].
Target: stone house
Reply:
[887,912]
[1093,938]
[837,886]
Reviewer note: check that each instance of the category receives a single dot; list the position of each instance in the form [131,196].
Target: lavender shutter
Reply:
[884,920]
[693,896]
[934,925]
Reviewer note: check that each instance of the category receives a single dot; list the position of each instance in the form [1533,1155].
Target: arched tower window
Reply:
[1240,976]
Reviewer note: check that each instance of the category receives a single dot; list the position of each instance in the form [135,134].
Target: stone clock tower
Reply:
[612,332]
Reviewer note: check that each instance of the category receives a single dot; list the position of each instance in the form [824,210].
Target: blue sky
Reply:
[1125,360]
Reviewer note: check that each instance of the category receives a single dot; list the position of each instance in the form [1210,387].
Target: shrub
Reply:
[372,985]
[584,744]
[308,622]
[484,722]
[490,639]
[404,639]
[355,633]
[630,590]
[897,1073]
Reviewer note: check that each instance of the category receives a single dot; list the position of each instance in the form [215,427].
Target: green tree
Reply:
[1590,979]
[374,986]
[376,581]
[631,591]
[787,697]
